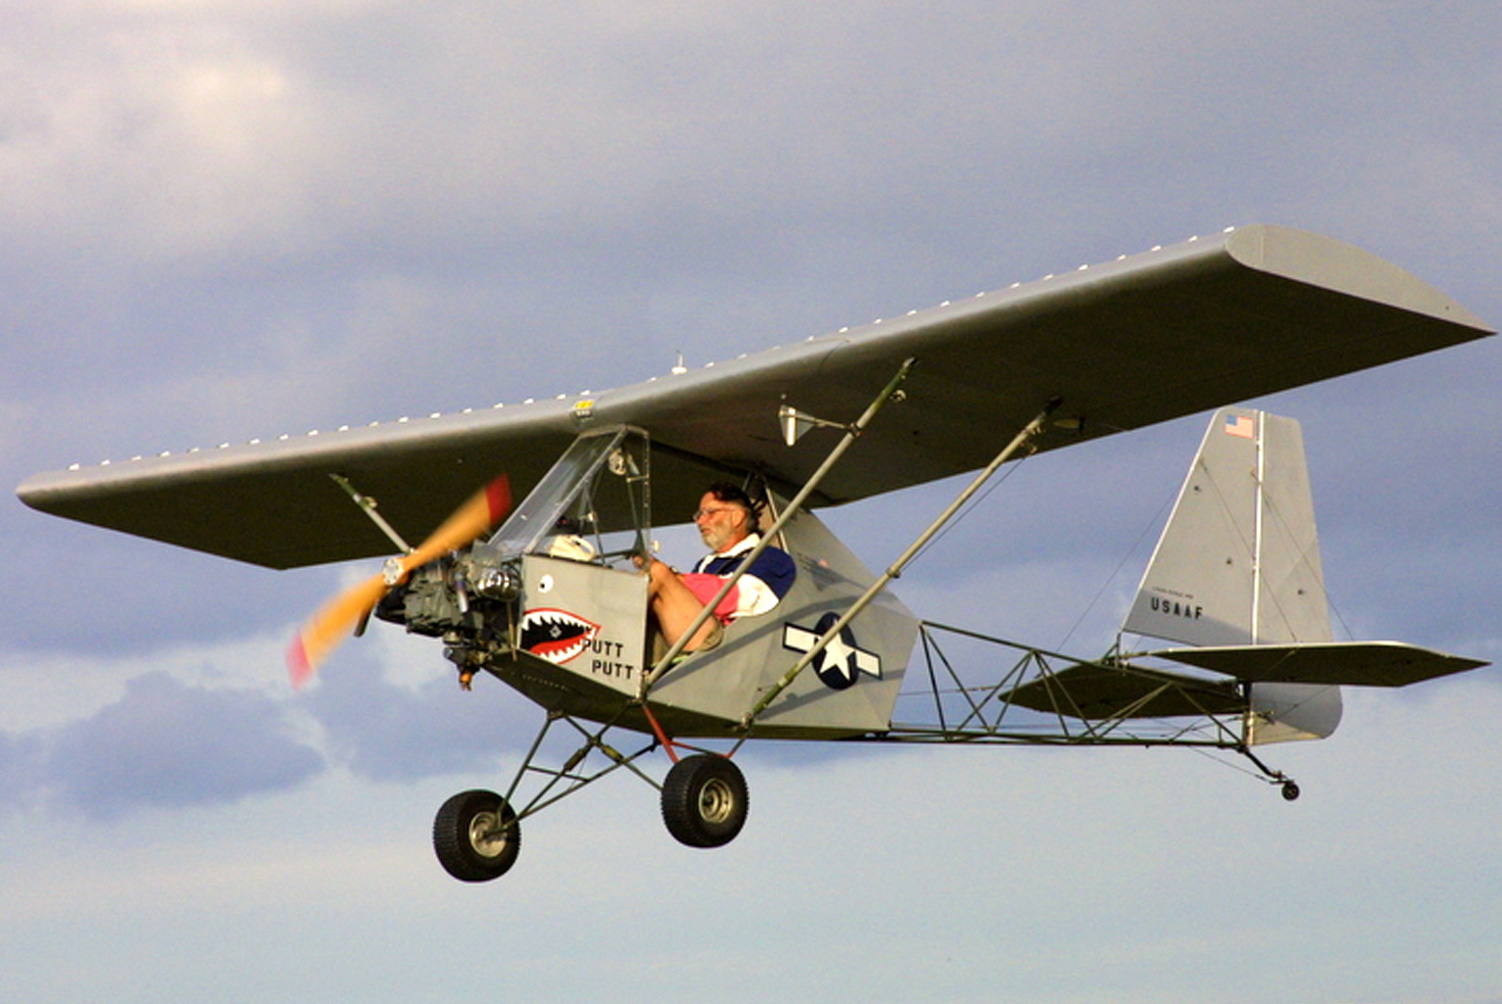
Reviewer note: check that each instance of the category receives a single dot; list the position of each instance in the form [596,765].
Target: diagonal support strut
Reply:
[1018,441]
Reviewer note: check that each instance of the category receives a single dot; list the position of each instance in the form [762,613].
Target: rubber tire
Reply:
[1290,791]
[705,801]
[457,836]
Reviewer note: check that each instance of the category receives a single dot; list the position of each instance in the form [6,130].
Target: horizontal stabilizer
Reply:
[1358,664]
[1095,692]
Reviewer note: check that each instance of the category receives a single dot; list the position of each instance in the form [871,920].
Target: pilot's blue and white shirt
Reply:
[765,582]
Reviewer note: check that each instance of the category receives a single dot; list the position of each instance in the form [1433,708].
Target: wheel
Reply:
[704,800]
[1290,791]
[476,836]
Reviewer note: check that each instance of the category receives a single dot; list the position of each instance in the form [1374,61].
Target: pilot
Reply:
[727,519]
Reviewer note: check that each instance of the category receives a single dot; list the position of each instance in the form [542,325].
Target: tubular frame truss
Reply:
[537,785]
[1039,698]
[951,703]
[1068,702]
[591,760]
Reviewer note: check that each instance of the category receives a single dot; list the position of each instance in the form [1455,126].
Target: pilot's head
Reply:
[726,516]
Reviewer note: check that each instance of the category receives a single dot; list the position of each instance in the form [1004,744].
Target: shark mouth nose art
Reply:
[556,635]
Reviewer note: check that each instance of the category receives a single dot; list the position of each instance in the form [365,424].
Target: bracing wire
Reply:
[972,505]
[1156,520]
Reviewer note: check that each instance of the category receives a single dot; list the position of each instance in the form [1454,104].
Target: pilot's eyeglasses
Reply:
[701,513]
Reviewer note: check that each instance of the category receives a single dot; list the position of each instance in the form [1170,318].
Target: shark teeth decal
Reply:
[556,635]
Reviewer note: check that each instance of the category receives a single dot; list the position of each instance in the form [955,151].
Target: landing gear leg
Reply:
[477,834]
[1289,787]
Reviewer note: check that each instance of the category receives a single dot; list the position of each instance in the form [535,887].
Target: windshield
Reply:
[593,505]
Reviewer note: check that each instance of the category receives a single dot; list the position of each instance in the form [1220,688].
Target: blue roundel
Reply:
[832,663]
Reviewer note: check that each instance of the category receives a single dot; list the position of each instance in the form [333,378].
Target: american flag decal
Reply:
[1241,425]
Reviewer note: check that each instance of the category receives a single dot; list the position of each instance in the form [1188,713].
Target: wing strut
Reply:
[888,393]
[368,506]
[1018,442]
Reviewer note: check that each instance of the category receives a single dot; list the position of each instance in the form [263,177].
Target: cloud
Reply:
[210,138]
[388,732]
[115,596]
[164,744]
[228,221]
[21,765]
[356,201]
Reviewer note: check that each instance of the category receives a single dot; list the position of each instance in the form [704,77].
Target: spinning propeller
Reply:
[339,616]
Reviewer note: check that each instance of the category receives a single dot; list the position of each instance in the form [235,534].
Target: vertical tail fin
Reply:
[1238,564]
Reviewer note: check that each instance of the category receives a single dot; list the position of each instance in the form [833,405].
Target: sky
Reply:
[226,220]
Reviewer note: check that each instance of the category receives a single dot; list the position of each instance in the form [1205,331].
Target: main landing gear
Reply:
[705,800]
[477,834]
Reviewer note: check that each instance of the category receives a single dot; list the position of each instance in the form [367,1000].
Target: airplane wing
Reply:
[1139,340]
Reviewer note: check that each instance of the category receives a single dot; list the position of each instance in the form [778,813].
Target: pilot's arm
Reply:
[757,591]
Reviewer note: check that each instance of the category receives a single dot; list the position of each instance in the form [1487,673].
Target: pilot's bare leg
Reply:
[675,607]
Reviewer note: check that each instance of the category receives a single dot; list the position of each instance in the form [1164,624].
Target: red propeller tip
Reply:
[498,498]
[299,666]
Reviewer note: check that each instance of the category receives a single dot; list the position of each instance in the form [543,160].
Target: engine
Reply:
[456,597]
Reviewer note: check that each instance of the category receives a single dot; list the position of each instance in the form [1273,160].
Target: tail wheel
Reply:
[704,800]
[476,836]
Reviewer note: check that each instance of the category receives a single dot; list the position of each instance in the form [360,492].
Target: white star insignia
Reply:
[840,657]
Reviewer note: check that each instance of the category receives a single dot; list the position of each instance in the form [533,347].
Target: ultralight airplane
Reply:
[554,602]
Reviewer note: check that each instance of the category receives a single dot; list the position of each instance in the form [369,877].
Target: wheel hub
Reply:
[486,834]
[716,801]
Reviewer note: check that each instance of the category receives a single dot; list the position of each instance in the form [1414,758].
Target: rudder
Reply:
[1238,564]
